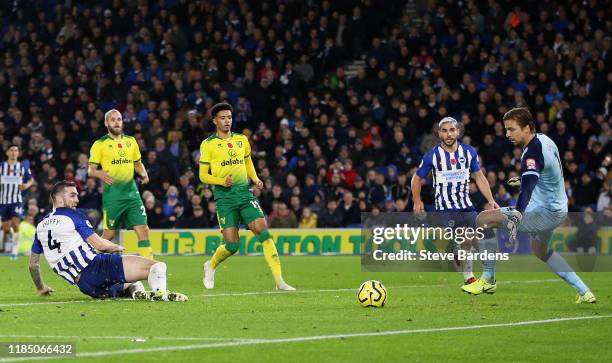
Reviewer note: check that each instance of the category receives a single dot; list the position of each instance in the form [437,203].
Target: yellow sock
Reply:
[145,249]
[271,255]
[220,255]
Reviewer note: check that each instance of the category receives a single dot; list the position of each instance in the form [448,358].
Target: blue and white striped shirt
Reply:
[62,237]
[451,175]
[11,177]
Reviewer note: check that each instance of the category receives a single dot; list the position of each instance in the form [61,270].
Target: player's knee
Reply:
[264,235]
[483,219]
[232,247]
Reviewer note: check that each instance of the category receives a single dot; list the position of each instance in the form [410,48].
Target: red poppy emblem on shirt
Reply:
[119,146]
[229,144]
[453,161]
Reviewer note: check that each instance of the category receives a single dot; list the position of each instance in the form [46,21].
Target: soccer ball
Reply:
[372,293]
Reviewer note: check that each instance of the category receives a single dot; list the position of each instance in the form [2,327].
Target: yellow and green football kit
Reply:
[123,207]
[236,204]
[225,157]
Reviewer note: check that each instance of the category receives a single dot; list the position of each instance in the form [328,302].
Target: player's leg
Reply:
[228,218]
[539,246]
[468,219]
[2,234]
[230,246]
[136,268]
[260,229]
[136,217]
[465,267]
[144,244]
[487,282]
[109,219]
[3,225]
[14,222]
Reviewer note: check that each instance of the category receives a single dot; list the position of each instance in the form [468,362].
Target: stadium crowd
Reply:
[328,144]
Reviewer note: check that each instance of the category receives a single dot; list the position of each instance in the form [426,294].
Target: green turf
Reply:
[416,301]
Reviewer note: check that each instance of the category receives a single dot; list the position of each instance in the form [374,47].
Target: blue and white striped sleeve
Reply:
[27,174]
[82,225]
[36,246]
[425,166]
[474,164]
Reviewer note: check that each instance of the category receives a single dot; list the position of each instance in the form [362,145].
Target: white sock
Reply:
[1,238]
[467,267]
[15,238]
[157,277]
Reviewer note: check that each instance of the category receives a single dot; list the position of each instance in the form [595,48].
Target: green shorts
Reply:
[124,214]
[232,212]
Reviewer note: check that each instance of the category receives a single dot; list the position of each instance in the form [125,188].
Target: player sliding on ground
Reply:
[68,241]
[226,164]
[542,201]
[452,163]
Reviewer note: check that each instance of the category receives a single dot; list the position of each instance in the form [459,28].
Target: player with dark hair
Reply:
[67,240]
[15,177]
[541,205]
[226,163]
[452,164]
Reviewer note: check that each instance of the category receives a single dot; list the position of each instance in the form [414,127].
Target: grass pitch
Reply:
[427,318]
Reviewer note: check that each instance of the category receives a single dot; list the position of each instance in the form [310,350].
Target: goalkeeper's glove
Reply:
[514,181]
[512,223]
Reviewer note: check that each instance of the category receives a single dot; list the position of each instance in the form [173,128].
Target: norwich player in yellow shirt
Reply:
[119,156]
[226,164]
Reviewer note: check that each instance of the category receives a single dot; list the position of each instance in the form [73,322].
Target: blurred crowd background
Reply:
[340,99]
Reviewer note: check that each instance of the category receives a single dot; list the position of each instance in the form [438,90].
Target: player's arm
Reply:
[251,172]
[417,180]
[103,245]
[415,185]
[532,164]
[34,266]
[528,183]
[139,168]
[95,158]
[483,185]
[481,181]
[93,171]
[28,180]
[84,228]
[205,176]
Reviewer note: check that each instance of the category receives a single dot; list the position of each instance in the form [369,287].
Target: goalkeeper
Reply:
[226,164]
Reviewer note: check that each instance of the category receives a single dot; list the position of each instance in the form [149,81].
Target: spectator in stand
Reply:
[332,216]
[308,219]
